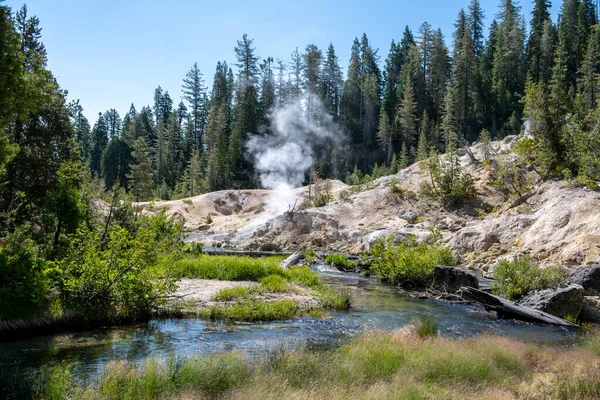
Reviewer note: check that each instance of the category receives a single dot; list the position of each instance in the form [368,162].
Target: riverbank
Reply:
[409,363]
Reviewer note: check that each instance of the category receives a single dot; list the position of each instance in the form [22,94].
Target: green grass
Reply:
[375,365]
[272,278]
[341,262]
[426,326]
[226,268]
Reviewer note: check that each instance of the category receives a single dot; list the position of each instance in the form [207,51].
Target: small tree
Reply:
[447,182]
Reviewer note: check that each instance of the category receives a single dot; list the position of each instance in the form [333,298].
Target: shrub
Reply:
[341,261]
[513,279]
[209,219]
[118,279]
[446,181]
[408,264]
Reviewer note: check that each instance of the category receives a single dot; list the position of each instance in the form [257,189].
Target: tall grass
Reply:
[374,365]
[226,268]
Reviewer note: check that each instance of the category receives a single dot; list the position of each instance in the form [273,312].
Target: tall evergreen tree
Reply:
[194,93]
[589,81]
[141,175]
[246,109]
[331,83]
[540,19]
[99,143]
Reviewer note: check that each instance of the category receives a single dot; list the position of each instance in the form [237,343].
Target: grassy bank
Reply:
[398,365]
[252,303]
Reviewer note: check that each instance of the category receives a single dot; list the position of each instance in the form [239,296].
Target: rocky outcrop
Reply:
[451,279]
[562,302]
[402,234]
[588,278]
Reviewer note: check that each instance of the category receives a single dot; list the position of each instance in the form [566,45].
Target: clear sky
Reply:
[112,53]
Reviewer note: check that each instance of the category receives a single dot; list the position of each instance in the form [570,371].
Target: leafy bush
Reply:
[115,279]
[341,261]
[24,278]
[408,264]
[513,279]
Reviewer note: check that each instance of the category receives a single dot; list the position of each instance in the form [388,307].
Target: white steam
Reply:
[285,154]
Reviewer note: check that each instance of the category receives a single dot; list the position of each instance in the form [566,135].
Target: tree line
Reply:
[393,115]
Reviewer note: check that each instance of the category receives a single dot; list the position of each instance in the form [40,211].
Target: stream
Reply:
[374,306]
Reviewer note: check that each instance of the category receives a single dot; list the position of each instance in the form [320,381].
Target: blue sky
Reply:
[112,53]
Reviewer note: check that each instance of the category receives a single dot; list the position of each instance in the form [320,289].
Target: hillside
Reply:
[555,222]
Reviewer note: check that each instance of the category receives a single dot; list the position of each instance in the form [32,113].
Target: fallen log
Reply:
[509,310]
[294,259]
[213,251]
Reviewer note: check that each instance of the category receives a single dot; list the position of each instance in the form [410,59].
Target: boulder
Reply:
[408,215]
[451,279]
[590,310]
[588,277]
[562,301]
[294,259]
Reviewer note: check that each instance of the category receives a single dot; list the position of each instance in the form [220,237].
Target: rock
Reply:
[588,277]
[294,259]
[400,235]
[203,227]
[590,310]
[451,279]
[562,302]
[408,215]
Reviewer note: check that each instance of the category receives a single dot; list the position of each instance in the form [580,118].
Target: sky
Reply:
[111,53]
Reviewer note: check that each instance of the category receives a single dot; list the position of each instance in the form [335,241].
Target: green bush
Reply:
[513,279]
[408,264]
[116,279]
[24,278]
[341,261]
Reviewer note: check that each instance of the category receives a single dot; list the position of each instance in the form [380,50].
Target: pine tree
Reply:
[535,53]
[440,73]
[296,75]
[423,146]
[331,83]
[350,107]
[509,68]
[312,59]
[194,93]
[406,115]
[99,143]
[463,84]
[246,109]
[141,175]
[589,80]
[113,123]
[475,19]
[267,89]
[385,136]
[217,175]
[116,160]
[193,180]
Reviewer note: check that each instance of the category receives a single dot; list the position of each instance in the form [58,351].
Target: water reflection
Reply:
[374,306]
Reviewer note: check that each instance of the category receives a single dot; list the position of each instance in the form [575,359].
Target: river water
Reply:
[374,306]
